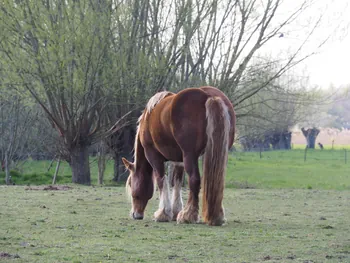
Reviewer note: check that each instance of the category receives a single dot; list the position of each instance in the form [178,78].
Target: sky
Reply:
[331,63]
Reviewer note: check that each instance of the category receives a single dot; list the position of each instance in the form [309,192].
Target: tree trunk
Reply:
[311,141]
[310,136]
[7,170]
[79,163]
[116,171]
[101,165]
[119,169]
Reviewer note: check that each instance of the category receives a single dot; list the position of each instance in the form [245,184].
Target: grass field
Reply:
[274,170]
[279,209]
[86,224]
[287,169]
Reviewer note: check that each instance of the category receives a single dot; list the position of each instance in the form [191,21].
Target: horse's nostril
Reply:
[137,216]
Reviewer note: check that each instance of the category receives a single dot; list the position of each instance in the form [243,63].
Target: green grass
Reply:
[297,212]
[326,147]
[91,224]
[37,173]
[287,169]
[275,170]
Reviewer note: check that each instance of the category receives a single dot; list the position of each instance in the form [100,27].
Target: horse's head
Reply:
[139,187]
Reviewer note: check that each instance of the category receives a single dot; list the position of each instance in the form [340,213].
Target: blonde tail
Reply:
[215,160]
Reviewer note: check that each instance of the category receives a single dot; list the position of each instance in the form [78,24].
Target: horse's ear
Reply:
[128,165]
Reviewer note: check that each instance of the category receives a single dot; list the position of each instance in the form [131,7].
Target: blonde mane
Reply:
[128,189]
[156,99]
[128,182]
[137,135]
[153,101]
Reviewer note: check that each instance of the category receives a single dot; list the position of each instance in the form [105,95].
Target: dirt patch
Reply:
[243,185]
[8,255]
[50,188]
[266,258]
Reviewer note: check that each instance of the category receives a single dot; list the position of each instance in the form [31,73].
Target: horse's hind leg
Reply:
[176,199]
[190,213]
[164,212]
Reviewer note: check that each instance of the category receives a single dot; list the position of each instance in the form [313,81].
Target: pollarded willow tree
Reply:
[339,109]
[60,52]
[83,59]
[283,103]
[151,41]
[268,117]
[16,119]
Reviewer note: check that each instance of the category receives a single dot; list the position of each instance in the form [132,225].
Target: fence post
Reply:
[54,158]
[305,154]
[345,156]
[56,171]
[260,152]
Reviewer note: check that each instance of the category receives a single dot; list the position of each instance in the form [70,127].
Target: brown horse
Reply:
[180,128]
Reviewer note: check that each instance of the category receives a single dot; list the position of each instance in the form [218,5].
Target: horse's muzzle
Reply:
[137,216]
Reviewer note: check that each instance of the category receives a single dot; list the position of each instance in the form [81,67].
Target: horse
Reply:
[181,128]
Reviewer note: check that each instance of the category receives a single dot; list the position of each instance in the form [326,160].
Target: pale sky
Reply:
[331,64]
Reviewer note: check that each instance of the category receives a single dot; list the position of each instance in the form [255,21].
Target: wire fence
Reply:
[337,154]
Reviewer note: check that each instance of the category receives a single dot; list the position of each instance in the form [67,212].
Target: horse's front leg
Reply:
[190,212]
[176,199]
[164,212]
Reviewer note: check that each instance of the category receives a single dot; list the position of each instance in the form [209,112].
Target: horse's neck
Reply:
[141,161]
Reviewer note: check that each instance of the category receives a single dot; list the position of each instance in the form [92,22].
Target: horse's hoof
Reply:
[174,217]
[175,214]
[187,218]
[162,216]
[217,222]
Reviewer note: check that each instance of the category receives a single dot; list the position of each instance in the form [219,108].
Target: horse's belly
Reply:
[170,151]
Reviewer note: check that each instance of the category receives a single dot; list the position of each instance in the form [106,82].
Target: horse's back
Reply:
[157,131]
[188,116]
[177,124]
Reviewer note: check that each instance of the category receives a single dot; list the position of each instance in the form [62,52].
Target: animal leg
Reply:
[164,212]
[176,199]
[190,212]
